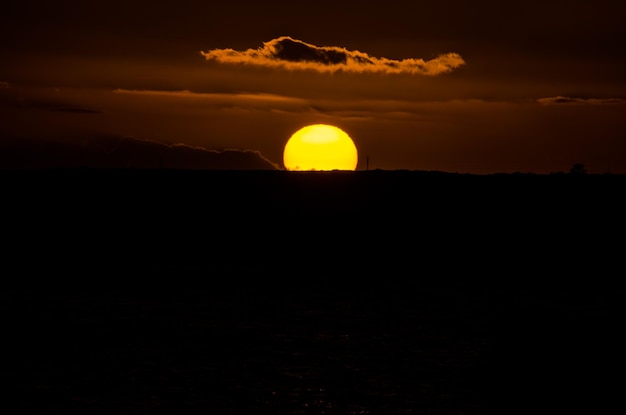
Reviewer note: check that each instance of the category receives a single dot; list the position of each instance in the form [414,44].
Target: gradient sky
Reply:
[458,86]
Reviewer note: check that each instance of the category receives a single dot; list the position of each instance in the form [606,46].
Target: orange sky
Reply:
[482,88]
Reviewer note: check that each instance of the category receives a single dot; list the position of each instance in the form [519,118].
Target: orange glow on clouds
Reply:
[292,54]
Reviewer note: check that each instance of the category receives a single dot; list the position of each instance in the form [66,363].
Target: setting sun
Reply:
[320,147]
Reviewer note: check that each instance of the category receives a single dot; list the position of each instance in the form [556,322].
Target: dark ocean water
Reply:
[403,349]
[313,352]
[133,292]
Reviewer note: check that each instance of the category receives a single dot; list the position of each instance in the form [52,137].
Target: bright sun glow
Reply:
[320,147]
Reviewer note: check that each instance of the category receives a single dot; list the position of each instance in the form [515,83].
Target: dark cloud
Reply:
[296,51]
[579,101]
[292,54]
[127,152]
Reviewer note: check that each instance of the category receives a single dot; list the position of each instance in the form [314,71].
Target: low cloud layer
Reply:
[292,54]
[560,100]
[221,100]
[126,152]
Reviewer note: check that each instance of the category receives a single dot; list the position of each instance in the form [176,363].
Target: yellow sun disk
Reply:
[320,147]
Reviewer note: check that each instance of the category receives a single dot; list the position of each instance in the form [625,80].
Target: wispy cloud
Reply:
[221,96]
[561,100]
[46,99]
[262,101]
[293,54]
[404,109]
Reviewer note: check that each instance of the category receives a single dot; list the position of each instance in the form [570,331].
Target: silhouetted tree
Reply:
[578,169]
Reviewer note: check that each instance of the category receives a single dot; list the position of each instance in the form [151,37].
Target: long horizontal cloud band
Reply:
[292,54]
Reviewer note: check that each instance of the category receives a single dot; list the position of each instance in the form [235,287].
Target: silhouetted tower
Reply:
[367,162]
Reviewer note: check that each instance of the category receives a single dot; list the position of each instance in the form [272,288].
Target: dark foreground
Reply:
[390,222]
[161,292]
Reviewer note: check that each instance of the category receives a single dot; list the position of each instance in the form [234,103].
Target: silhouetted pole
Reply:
[367,162]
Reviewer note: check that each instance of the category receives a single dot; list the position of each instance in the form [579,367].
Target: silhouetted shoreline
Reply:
[367,221]
[275,186]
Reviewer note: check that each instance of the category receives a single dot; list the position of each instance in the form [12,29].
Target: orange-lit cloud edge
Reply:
[292,54]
